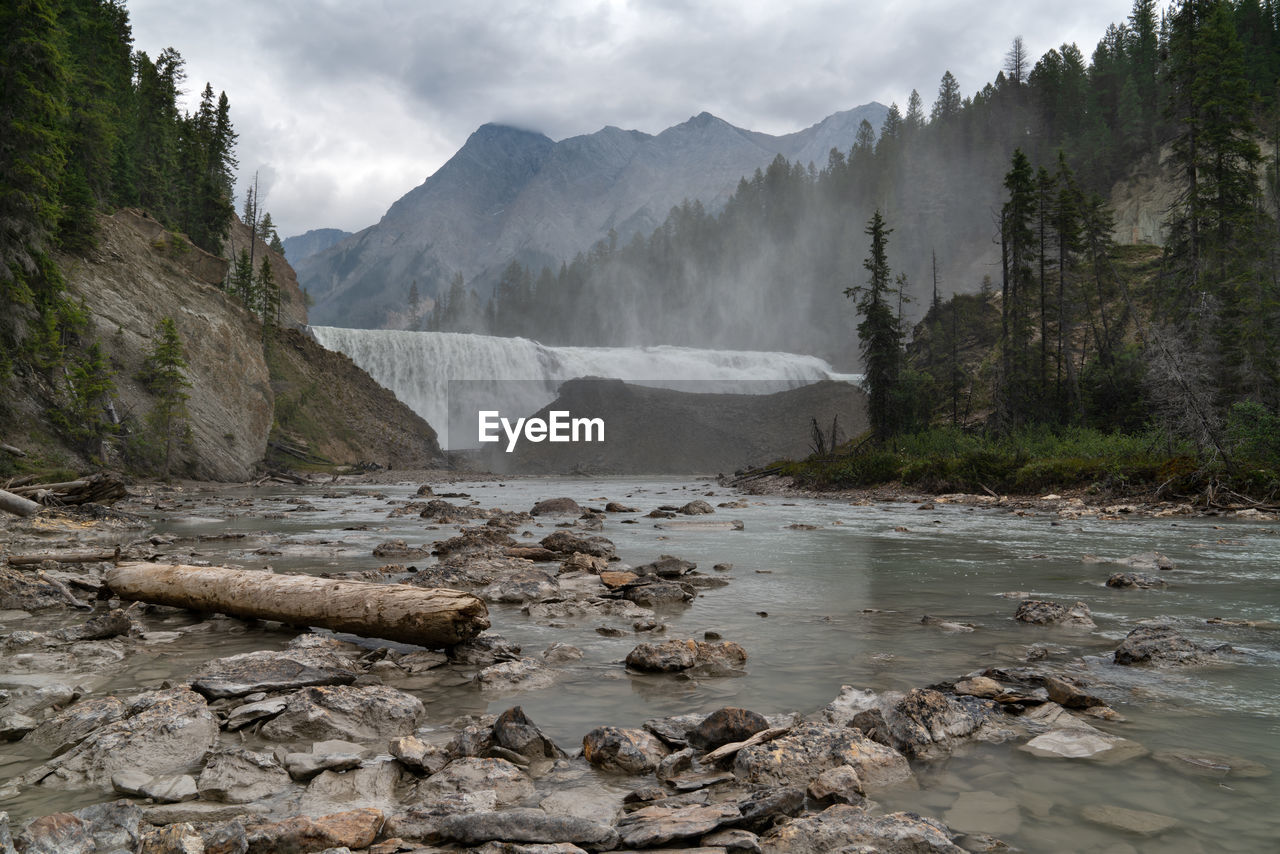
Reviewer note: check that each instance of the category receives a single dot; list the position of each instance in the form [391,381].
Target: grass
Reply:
[945,459]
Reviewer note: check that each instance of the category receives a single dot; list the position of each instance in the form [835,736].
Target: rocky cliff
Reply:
[140,273]
[511,194]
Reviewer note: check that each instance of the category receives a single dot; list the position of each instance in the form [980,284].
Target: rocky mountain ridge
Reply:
[512,194]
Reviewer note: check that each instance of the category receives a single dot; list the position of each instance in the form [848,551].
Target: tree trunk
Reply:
[17,505]
[428,617]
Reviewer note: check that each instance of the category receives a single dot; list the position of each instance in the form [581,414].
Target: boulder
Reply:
[698,658]
[72,724]
[526,826]
[1140,822]
[849,828]
[557,507]
[509,784]
[417,755]
[799,757]
[1042,613]
[514,731]
[925,721]
[1139,580]
[562,542]
[240,776]
[725,726]
[179,838]
[164,732]
[524,585]
[1078,740]
[655,593]
[283,670]
[373,713]
[666,566]
[652,826]
[378,785]
[630,751]
[351,829]
[697,507]
[840,785]
[525,674]
[1161,646]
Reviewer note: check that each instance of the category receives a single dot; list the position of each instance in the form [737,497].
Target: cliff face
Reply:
[140,273]
[293,303]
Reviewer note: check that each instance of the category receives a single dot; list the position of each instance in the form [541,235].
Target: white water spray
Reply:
[419,366]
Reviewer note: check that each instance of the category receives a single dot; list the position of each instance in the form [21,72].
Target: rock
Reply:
[616,507]
[1139,580]
[514,731]
[561,653]
[171,789]
[945,625]
[352,829]
[423,821]
[531,848]
[557,507]
[848,828]
[840,785]
[479,540]
[509,784]
[924,721]
[651,826]
[71,725]
[112,624]
[800,756]
[284,670]
[1081,741]
[630,751]
[697,507]
[242,716]
[484,649]
[174,839]
[762,809]
[733,839]
[162,731]
[614,580]
[526,825]
[699,658]
[304,766]
[239,776]
[666,566]
[373,713]
[655,593]
[562,542]
[537,554]
[1040,612]
[984,812]
[1132,821]
[725,726]
[850,702]
[578,562]
[526,674]
[114,825]
[378,785]
[1161,646]
[979,686]
[226,838]
[1149,560]
[526,585]
[60,833]
[416,755]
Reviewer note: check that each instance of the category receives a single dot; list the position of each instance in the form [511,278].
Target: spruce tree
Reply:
[164,375]
[879,335]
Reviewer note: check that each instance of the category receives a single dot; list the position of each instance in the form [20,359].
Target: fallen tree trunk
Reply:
[425,616]
[17,505]
[100,488]
[65,557]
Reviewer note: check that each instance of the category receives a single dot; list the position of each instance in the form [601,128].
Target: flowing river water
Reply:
[841,604]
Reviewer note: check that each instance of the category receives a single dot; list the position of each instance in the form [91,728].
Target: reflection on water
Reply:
[842,604]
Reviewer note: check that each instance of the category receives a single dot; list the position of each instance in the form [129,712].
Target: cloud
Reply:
[351,105]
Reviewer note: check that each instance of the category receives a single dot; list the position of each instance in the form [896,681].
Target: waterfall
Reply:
[443,375]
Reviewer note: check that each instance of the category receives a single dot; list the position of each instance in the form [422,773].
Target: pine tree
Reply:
[242,283]
[268,300]
[1016,389]
[948,104]
[164,375]
[879,335]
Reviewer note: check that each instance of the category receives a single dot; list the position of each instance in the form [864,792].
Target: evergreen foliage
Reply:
[164,375]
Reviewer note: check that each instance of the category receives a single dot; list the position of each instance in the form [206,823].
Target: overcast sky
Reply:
[343,106]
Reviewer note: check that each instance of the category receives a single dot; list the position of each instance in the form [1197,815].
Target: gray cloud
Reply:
[351,104]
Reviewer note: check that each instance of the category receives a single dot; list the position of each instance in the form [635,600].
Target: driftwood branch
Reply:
[425,616]
[10,449]
[65,557]
[100,488]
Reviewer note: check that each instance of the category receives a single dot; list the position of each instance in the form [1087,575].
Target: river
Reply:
[840,602]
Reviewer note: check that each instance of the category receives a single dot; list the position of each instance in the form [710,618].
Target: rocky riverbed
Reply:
[649,682]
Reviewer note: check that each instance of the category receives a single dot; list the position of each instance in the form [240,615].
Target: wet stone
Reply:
[1140,580]
[526,825]
[666,566]
[285,670]
[557,507]
[417,755]
[509,784]
[651,826]
[812,748]
[725,726]
[240,776]
[1161,646]
[1138,822]
[373,713]
[514,731]
[1042,613]
[844,827]
[630,751]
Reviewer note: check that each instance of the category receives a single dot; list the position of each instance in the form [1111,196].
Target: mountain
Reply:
[316,240]
[515,195]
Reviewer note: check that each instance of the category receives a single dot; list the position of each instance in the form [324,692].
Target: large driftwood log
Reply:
[17,505]
[65,557]
[424,616]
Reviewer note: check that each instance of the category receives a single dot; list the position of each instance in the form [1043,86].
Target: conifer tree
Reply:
[879,335]
[164,375]
[268,300]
